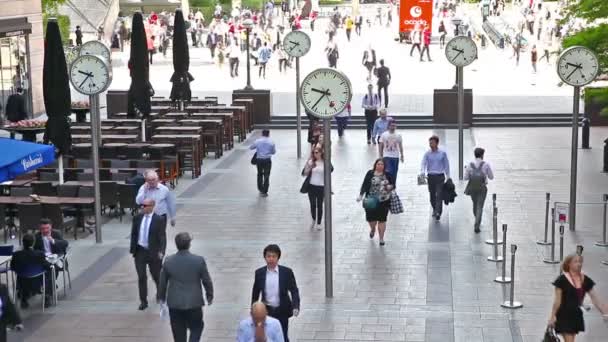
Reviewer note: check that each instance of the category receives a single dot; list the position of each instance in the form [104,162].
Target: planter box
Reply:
[594,105]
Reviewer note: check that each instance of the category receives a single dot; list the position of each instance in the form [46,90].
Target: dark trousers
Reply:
[143,258]
[479,199]
[385,87]
[283,64]
[435,183]
[428,54]
[234,67]
[282,317]
[193,36]
[184,320]
[348,34]
[342,122]
[212,49]
[315,197]
[370,118]
[2,332]
[262,71]
[264,166]
[151,54]
[415,46]
[358,29]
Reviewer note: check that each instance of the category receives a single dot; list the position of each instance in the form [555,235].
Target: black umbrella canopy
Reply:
[141,90]
[181,78]
[56,90]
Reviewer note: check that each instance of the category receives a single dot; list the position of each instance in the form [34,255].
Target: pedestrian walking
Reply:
[212,40]
[477,174]
[416,38]
[331,50]
[380,125]
[358,24]
[180,290]
[442,34]
[534,58]
[232,52]
[370,104]
[390,148]
[148,244]
[283,58]
[427,44]
[369,61]
[123,32]
[259,327]
[314,184]
[163,198]
[546,49]
[264,150]
[436,167]
[348,26]
[275,285]
[384,79]
[264,56]
[78,34]
[376,194]
[570,289]
[342,119]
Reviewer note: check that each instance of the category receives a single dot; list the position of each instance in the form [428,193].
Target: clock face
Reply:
[296,43]
[461,51]
[90,75]
[325,92]
[95,47]
[577,66]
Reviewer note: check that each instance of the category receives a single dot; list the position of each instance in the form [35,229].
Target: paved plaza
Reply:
[431,282]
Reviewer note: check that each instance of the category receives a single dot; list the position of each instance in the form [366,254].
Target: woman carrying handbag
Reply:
[314,185]
[377,187]
[570,290]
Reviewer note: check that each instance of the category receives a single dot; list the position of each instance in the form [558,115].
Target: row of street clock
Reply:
[91,71]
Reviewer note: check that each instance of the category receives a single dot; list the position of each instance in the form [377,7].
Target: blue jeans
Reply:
[342,122]
[391,165]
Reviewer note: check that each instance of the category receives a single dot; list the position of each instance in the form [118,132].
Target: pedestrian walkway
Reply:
[431,282]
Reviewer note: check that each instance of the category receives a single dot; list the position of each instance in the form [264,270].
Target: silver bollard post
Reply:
[561,243]
[552,260]
[493,200]
[547,204]
[604,243]
[494,240]
[495,257]
[511,303]
[504,279]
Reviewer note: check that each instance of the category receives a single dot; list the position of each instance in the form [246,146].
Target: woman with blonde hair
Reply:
[315,175]
[570,289]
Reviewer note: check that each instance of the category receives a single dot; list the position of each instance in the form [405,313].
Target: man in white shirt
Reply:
[390,149]
[477,173]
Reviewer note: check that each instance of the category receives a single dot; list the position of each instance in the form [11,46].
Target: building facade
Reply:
[21,52]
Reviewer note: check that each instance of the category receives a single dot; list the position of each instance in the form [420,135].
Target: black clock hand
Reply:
[573,71]
[319,100]
[458,54]
[85,79]
[90,74]
[318,91]
[574,65]
[294,43]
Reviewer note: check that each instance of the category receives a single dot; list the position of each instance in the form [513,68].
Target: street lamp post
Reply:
[248,24]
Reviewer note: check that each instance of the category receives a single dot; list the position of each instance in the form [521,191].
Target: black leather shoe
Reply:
[143,306]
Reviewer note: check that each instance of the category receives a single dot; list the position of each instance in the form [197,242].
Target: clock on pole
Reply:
[95,47]
[576,66]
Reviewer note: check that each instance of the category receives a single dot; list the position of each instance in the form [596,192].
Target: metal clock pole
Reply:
[574,158]
[459,74]
[95,142]
[298,110]
[329,288]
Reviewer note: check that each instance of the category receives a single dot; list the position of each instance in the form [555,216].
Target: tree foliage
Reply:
[50,6]
[595,31]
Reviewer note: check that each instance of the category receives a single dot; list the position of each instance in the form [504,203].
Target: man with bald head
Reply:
[259,327]
[148,243]
[153,189]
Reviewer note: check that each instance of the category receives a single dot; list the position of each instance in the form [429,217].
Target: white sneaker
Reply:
[313,225]
[319,227]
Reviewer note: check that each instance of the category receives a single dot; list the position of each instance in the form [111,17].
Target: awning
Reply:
[19,157]
[14,27]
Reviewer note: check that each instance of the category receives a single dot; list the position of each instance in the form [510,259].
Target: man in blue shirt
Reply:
[380,126]
[259,326]
[436,166]
[264,149]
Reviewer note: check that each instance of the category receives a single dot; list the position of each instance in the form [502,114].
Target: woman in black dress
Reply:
[378,184]
[570,289]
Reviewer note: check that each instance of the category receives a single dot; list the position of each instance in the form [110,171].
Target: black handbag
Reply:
[305,184]
[550,335]
[254,159]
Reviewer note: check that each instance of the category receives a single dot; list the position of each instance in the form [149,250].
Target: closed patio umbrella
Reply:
[181,78]
[141,90]
[56,92]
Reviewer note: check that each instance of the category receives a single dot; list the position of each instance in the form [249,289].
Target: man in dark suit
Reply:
[8,313]
[15,107]
[277,287]
[26,259]
[148,244]
[48,240]
[180,287]
[212,39]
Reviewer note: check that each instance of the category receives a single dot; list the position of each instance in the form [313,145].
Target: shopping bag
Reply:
[396,207]
[550,335]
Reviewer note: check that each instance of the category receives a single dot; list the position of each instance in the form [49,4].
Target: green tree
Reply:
[50,8]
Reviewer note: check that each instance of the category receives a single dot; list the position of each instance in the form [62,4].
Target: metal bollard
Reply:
[561,243]
[494,240]
[585,137]
[604,243]
[547,205]
[493,200]
[495,257]
[605,168]
[504,279]
[552,260]
[511,303]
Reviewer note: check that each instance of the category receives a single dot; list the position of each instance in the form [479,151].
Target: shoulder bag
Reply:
[254,159]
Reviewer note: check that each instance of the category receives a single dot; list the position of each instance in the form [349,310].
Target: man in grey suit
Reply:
[180,287]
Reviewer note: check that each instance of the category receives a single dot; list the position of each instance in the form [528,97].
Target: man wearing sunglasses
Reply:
[148,243]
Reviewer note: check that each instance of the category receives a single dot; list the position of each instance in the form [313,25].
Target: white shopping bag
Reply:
[164,312]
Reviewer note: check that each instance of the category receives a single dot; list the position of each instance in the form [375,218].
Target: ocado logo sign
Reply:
[416,11]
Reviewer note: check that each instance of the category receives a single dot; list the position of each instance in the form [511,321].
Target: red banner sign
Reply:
[415,12]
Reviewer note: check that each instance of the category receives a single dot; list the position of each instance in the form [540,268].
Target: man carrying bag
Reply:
[477,173]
